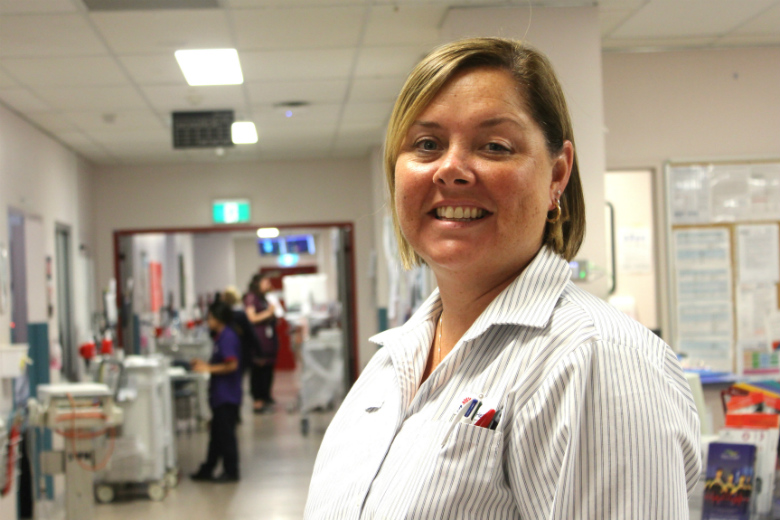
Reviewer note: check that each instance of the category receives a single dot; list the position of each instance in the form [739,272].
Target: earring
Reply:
[557,211]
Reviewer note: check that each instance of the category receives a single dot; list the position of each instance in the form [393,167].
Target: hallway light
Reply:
[269,232]
[210,66]
[244,132]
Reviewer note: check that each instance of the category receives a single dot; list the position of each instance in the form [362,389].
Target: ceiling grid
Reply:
[104,82]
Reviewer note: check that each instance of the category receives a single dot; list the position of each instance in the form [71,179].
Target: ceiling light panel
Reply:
[210,66]
[243,132]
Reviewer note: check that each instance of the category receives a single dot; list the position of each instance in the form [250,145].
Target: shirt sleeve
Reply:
[608,434]
[230,346]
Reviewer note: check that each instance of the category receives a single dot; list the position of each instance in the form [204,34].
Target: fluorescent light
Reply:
[210,67]
[268,232]
[244,132]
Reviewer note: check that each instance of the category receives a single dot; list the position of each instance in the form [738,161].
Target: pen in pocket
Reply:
[495,421]
[463,412]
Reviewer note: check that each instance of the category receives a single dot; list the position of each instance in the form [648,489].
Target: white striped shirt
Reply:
[598,419]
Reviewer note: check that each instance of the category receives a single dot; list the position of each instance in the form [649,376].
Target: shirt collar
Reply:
[528,301]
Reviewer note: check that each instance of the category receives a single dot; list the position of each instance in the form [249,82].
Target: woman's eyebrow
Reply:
[426,124]
[495,121]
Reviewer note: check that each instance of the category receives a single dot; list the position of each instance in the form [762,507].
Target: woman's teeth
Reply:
[459,213]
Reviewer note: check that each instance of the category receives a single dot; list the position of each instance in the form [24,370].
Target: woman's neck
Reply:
[464,299]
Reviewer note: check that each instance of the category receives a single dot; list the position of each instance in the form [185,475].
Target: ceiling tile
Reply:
[46,35]
[674,18]
[748,39]
[23,100]
[66,71]
[297,28]
[389,61]
[142,139]
[6,80]
[114,120]
[375,114]
[140,32]
[611,19]
[616,44]
[156,69]
[168,98]
[51,121]
[315,118]
[95,99]
[36,6]
[286,3]
[312,91]
[296,65]
[768,22]
[404,25]
[376,89]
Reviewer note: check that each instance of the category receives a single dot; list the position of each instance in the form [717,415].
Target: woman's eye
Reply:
[427,145]
[495,147]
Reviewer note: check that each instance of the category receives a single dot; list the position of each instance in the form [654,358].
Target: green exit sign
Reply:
[231,211]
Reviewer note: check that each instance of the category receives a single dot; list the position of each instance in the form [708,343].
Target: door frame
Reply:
[350,250]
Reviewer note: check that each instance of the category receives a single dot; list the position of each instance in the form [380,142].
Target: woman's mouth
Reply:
[459,213]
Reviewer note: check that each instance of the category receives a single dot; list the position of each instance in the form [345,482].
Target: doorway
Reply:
[18,268]
[64,265]
[217,257]
[632,251]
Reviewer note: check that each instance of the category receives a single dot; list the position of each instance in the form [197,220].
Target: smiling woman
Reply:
[510,393]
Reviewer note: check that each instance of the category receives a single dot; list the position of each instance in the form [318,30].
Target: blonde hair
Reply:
[230,296]
[545,101]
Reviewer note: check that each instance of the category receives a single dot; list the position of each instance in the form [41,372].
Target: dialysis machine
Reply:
[83,414]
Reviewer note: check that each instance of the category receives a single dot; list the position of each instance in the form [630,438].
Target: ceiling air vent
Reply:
[147,5]
[202,129]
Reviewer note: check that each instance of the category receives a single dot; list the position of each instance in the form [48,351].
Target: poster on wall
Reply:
[155,286]
[704,313]
[689,194]
[758,253]
[635,250]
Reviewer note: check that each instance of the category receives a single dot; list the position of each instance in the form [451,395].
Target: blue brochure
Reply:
[729,481]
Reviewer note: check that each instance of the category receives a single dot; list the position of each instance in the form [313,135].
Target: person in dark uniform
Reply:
[224,396]
[262,314]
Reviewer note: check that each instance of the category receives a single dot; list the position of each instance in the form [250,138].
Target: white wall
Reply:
[297,192]
[719,104]
[42,178]
[214,262]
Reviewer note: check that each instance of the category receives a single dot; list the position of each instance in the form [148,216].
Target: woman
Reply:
[510,393]
[262,314]
[224,396]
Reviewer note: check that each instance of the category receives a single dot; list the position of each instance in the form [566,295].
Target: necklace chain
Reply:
[441,326]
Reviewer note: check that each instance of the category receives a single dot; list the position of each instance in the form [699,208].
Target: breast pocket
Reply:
[471,453]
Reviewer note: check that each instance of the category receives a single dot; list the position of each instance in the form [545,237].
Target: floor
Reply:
[276,464]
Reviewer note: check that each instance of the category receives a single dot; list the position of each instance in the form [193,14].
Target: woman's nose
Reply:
[454,169]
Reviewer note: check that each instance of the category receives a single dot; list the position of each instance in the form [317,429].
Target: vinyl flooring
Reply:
[276,462]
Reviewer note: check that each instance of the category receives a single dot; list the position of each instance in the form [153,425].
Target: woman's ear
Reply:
[561,168]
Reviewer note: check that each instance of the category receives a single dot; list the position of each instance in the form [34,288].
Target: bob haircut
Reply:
[540,90]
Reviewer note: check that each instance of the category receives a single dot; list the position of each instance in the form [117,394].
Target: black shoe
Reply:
[201,476]
[225,479]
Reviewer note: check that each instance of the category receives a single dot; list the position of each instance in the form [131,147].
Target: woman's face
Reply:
[213,322]
[474,179]
[266,285]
